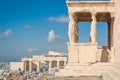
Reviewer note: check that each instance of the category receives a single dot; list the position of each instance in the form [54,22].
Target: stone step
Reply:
[87,67]
[106,76]
[103,64]
[78,72]
[75,74]
[65,70]
[115,75]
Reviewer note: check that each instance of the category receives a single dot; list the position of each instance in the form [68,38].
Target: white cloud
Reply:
[8,32]
[27,26]
[32,49]
[52,36]
[59,19]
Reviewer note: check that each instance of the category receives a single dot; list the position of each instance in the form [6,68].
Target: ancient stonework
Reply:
[89,59]
[73,29]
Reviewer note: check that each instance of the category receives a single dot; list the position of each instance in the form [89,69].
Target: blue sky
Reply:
[33,27]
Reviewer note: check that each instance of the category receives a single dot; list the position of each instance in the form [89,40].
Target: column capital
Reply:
[73,17]
[112,14]
[93,13]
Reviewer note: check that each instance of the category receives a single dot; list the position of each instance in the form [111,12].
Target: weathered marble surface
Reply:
[79,64]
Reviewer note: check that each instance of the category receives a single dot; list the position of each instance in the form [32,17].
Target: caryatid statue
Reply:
[93,33]
[73,28]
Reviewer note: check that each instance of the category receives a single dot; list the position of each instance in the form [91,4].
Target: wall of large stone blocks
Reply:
[16,65]
[117,33]
[103,54]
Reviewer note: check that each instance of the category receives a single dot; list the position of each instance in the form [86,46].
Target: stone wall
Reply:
[103,54]
[16,65]
[82,52]
[117,34]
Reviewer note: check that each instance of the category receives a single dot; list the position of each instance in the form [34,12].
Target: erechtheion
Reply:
[89,59]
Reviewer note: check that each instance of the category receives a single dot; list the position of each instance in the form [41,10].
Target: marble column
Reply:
[24,66]
[50,65]
[38,66]
[73,28]
[110,32]
[93,33]
[57,64]
[64,63]
[30,66]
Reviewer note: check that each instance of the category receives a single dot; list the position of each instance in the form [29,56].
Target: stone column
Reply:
[93,33]
[30,66]
[50,65]
[112,54]
[38,66]
[73,28]
[57,64]
[24,66]
[110,31]
[64,63]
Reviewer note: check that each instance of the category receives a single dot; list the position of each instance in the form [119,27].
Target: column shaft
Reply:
[38,66]
[57,64]
[93,36]
[49,65]
[73,28]
[64,63]
[24,66]
[30,66]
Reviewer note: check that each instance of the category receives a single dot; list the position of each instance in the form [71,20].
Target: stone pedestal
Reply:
[82,53]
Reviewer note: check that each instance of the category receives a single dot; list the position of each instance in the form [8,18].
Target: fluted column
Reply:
[64,63]
[24,65]
[57,64]
[30,66]
[93,33]
[38,66]
[49,65]
[73,28]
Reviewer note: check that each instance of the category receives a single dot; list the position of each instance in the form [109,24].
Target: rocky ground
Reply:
[6,74]
[19,75]
[46,77]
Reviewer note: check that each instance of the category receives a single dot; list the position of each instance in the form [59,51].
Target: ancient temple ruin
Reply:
[93,12]
[52,59]
[88,59]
